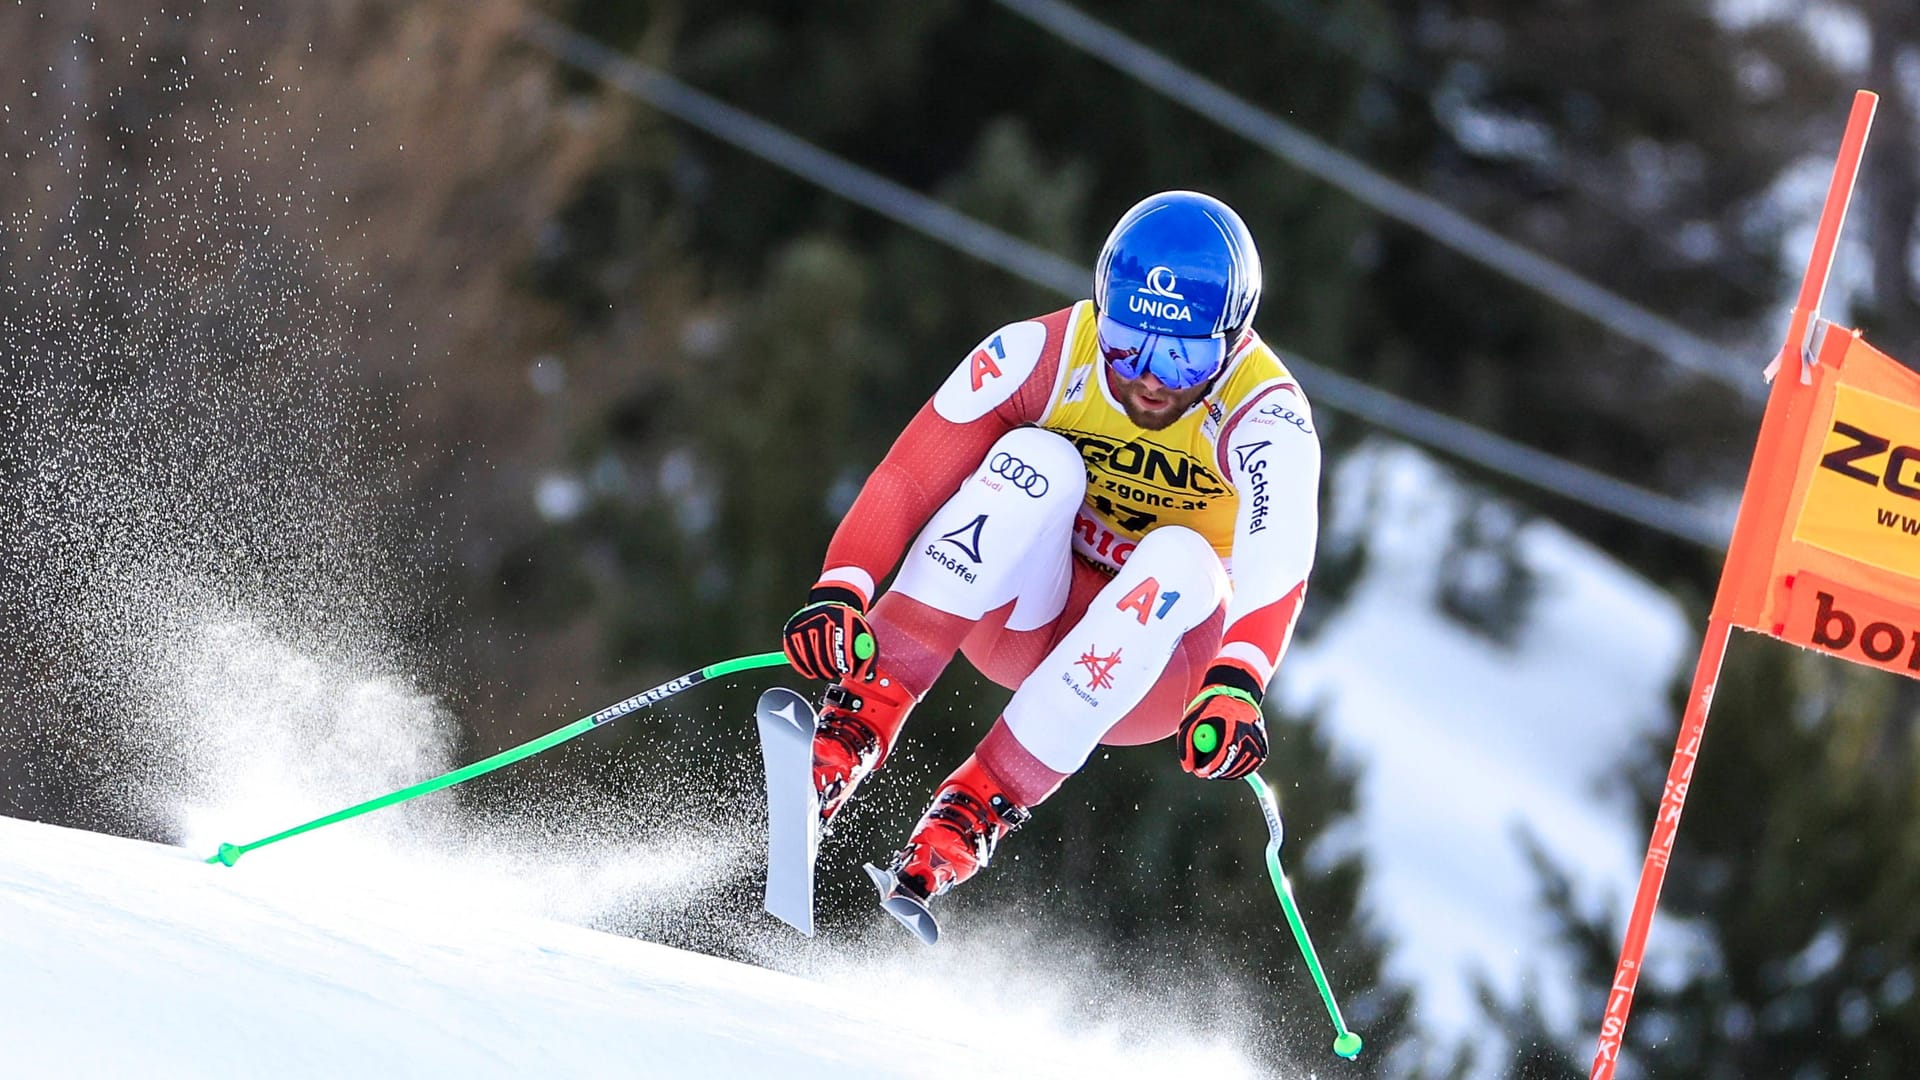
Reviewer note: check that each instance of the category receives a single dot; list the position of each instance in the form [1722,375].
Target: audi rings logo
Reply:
[1019,474]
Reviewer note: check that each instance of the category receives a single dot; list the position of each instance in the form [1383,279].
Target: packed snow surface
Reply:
[126,959]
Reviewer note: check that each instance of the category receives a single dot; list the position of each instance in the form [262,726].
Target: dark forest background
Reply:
[381,310]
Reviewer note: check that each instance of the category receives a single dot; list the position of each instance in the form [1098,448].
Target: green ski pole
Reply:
[1345,1043]
[230,853]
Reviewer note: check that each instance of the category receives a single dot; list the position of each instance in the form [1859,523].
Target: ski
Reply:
[903,905]
[786,721]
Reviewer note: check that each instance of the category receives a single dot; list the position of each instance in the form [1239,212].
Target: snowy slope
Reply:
[128,959]
[409,943]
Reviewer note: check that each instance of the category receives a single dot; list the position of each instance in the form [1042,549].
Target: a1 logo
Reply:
[982,366]
[1142,600]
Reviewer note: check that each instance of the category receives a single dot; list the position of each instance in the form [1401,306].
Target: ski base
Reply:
[910,910]
[786,722]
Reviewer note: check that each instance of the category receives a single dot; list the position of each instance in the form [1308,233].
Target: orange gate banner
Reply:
[1831,560]
[1826,550]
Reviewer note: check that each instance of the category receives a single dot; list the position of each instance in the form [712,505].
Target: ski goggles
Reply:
[1178,362]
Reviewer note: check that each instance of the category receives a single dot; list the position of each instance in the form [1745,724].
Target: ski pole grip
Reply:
[1206,737]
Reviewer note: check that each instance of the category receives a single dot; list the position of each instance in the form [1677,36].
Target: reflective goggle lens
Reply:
[1178,362]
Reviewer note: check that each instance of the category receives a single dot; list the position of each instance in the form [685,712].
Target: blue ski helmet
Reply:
[1177,281]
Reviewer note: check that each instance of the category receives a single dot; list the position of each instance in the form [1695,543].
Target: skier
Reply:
[1112,512]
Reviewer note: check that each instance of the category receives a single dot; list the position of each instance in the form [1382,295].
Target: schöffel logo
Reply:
[1253,464]
[1897,475]
[1881,642]
[1019,473]
[967,539]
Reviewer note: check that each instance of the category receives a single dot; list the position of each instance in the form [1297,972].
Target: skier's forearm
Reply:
[1255,641]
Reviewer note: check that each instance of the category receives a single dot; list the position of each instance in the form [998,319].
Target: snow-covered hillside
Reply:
[412,943]
[1462,742]
[125,959]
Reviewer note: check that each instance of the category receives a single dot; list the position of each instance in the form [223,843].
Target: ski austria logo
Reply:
[1020,474]
[1099,668]
[1099,675]
[1159,297]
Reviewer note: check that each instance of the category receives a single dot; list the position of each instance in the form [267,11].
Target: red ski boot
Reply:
[957,834]
[859,722]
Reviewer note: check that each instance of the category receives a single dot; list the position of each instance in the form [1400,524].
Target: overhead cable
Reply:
[1416,423]
[1680,346]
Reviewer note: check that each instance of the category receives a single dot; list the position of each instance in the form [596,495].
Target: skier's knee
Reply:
[1180,558]
[1004,534]
[1038,464]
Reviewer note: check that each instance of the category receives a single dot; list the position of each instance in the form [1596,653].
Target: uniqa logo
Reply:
[1160,282]
[1159,309]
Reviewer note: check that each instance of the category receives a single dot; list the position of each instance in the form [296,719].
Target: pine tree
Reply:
[1786,943]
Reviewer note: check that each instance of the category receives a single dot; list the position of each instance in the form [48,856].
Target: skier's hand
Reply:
[1223,736]
[830,639]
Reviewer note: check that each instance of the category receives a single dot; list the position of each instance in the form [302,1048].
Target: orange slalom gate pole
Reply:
[1755,534]
[1666,828]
